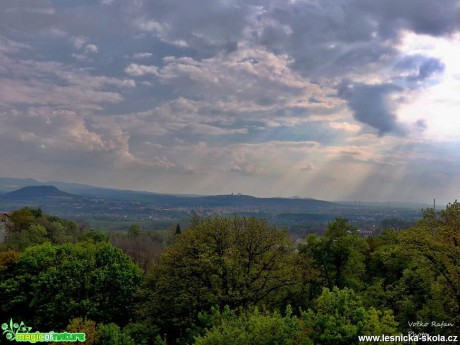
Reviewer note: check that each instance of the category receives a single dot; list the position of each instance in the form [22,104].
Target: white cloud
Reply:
[137,70]
[91,48]
[142,55]
[149,25]
[345,126]
[251,84]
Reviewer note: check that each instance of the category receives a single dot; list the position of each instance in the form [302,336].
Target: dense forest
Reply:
[231,281]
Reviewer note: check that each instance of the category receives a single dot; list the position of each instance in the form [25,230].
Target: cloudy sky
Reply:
[330,99]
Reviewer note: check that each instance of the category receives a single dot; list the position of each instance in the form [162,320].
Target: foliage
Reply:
[79,325]
[434,244]
[386,265]
[143,333]
[220,261]
[94,236]
[416,272]
[111,334]
[251,328]
[339,256]
[35,234]
[32,227]
[339,318]
[134,231]
[102,334]
[221,281]
[24,218]
[8,257]
[49,285]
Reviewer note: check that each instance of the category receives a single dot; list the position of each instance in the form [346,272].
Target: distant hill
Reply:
[118,209]
[245,201]
[29,189]
[9,184]
[37,192]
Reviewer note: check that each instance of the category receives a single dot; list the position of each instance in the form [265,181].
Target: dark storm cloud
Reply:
[330,38]
[419,68]
[434,18]
[371,105]
[325,38]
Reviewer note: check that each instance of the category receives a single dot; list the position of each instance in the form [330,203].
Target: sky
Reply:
[326,99]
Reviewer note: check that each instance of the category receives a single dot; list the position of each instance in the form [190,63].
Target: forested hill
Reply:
[37,192]
[268,203]
[94,204]
[28,189]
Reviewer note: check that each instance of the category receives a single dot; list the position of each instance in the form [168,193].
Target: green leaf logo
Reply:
[13,328]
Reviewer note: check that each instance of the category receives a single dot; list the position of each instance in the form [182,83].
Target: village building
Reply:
[5,226]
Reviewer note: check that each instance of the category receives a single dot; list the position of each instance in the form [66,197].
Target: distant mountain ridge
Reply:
[31,189]
[9,184]
[118,209]
[37,192]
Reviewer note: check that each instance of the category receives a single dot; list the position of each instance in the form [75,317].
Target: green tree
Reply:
[24,218]
[34,235]
[144,333]
[389,269]
[94,236]
[434,245]
[111,334]
[339,317]
[251,328]
[79,325]
[49,285]
[134,231]
[32,227]
[339,256]
[178,230]
[220,261]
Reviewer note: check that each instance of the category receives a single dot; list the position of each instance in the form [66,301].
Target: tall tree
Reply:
[49,285]
[219,261]
[251,327]
[178,229]
[339,317]
[339,255]
[435,247]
